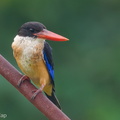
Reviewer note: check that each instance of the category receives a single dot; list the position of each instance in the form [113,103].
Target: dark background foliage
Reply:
[87,68]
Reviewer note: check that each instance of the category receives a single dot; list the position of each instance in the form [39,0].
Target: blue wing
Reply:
[47,51]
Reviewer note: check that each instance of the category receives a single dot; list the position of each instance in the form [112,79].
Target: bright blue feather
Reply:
[49,67]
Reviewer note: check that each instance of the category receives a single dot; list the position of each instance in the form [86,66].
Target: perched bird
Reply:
[34,57]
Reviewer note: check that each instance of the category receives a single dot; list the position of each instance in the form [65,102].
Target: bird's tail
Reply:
[54,99]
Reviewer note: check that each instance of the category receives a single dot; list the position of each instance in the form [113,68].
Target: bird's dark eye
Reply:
[32,30]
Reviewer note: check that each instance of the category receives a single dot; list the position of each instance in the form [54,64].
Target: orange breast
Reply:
[30,61]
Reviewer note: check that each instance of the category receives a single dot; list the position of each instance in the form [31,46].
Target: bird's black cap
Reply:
[29,28]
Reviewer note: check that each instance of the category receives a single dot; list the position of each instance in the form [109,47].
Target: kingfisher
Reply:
[34,57]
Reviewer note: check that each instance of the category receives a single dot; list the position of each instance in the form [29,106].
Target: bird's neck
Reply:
[27,45]
[27,41]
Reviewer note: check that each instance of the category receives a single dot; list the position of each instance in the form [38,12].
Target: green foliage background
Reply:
[87,68]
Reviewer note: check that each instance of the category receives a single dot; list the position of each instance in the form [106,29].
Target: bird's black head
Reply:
[30,28]
[38,30]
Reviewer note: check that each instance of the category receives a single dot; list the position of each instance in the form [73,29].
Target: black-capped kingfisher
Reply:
[34,56]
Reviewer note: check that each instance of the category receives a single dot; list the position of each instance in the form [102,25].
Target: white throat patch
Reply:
[28,47]
[27,40]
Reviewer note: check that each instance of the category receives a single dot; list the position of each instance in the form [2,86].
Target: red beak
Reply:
[46,34]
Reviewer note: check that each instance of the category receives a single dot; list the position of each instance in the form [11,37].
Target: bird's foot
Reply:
[22,79]
[36,92]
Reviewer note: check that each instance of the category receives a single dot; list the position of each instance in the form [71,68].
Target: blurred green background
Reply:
[87,68]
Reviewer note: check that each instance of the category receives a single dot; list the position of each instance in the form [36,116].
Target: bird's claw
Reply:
[22,79]
[36,92]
